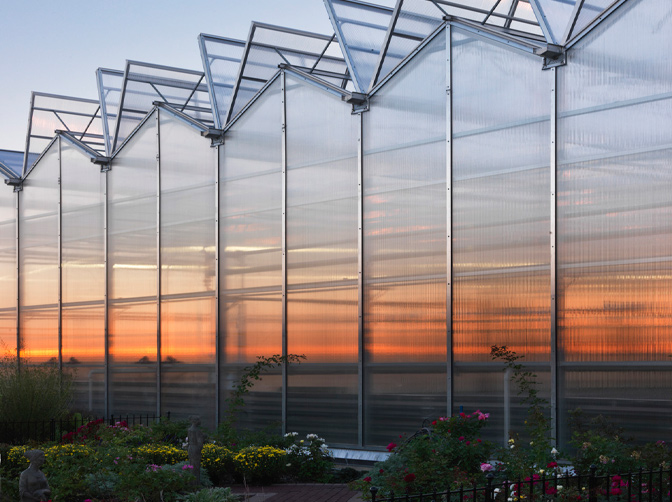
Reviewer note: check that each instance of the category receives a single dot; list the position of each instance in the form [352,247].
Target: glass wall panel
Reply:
[38,255]
[322,229]
[405,248]
[7,271]
[615,221]
[501,212]
[250,259]
[188,165]
[132,326]
[83,276]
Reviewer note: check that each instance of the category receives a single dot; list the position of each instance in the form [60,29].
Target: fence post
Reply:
[592,488]
[52,429]
[374,492]
[488,490]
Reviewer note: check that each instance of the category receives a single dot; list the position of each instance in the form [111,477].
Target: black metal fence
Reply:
[55,430]
[640,486]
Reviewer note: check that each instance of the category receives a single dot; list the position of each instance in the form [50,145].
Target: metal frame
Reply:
[386,44]
[106,293]
[158,263]
[18,280]
[360,282]
[342,39]
[103,104]
[553,254]
[508,18]
[250,43]
[153,80]
[283,101]
[29,134]
[594,23]
[205,56]
[449,219]
[543,22]
[254,99]
[218,386]
[60,258]
[311,79]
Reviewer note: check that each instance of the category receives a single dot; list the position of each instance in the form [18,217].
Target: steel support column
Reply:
[553,257]
[449,223]
[283,97]
[217,348]
[60,261]
[18,283]
[158,263]
[360,281]
[106,303]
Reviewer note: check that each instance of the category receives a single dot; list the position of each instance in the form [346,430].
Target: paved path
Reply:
[297,493]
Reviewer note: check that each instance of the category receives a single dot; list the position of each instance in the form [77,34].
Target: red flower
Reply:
[381,471]
[367,479]
[434,422]
[391,446]
[552,464]
[409,478]
[478,440]
[461,438]
[616,491]
[468,443]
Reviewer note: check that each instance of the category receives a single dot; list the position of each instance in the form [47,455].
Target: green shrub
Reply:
[211,495]
[259,464]
[218,461]
[160,454]
[308,459]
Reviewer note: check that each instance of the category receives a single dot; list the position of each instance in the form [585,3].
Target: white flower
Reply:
[291,434]
[513,446]
[554,452]
[497,490]
[311,436]
[559,487]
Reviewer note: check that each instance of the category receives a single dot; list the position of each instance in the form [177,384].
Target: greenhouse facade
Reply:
[391,201]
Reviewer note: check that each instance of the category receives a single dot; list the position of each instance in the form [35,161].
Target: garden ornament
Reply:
[33,486]
[195,440]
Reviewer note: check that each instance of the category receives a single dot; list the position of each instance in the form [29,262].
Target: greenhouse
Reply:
[390,200]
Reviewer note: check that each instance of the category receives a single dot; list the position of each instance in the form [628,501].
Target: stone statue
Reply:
[195,441]
[33,486]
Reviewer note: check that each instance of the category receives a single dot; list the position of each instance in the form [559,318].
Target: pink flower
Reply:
[483,416]
[468,443]
[486,467]
[461,438]
[391,446]
[551,465]
[367,479]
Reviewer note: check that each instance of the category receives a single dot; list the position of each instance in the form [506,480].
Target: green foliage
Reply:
[160,454]
[308,459]
[449,453]
[211,495]
[218,461]
[33,392]
[251,374]
[538,423]
[260,464]
[170,431]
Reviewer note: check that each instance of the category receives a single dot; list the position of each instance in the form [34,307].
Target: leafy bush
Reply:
[218,462]
[260,464]
[211,495]
[36,392]
[308,459]
[160,454]
[450,452]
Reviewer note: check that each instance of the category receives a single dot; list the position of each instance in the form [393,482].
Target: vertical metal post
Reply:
[553,257]
[106,294]
[60,260]
[217,340]
[449,223]
[18,283]
[284,250]
[360,282]
[158,264]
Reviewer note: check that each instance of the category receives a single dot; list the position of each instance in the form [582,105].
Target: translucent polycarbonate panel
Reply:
[363,27]
[416,20]
[322,269]
[222,57]
[109,93]
[80,117]
[82,228]
[38,217]
[13,160]
[132,186]
[501,219]
[8,301]
[614,214]
[250,254]
[557,15]
[145,83]
[132,328]
[83,328]
[188,166]
[590,10]
[188,358]
[39,334]
[132,258]
[404,257]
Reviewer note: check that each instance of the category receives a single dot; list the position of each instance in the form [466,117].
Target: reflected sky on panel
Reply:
[56,47]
